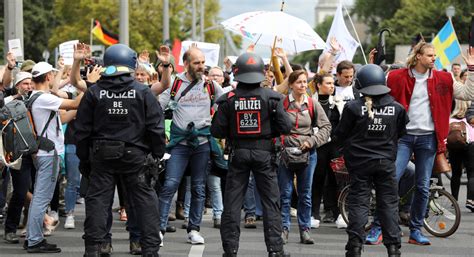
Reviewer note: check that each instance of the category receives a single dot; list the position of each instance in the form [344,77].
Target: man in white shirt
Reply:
[45,112]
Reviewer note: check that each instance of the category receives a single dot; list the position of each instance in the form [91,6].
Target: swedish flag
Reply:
[446,46]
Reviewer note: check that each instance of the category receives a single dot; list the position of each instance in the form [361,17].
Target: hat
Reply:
[42,68]
[27,65]
[20,76]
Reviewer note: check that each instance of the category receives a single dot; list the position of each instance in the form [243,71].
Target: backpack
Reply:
[19,135]
[175,88]
[457,136]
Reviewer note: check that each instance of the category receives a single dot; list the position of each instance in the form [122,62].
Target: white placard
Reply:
[14,46]
[211,52]
[66,50]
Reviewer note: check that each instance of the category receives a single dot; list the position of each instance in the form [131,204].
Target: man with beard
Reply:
[191,102]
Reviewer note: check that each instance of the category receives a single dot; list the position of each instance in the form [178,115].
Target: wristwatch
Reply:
[166,65]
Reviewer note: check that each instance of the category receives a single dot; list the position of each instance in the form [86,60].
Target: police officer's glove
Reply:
[85,168]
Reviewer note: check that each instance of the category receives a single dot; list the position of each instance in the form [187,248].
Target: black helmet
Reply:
[119,59]
[249,68]
[370,80]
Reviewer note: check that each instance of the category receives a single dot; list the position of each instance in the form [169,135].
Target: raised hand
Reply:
[372,55]
[164,55]
[81,51]
[469,59]
[280,53]
[251,48]
[144,57]
[93,74]
[11,60]
[335,46]
[60,63]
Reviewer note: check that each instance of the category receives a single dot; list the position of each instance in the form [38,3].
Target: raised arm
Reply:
[466,91]
[164,56]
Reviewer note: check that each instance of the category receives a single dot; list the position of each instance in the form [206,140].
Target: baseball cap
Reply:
[42,68]
[27,65]
[20,76]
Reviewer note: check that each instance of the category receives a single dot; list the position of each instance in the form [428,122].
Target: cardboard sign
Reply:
[211,52]
[66,51]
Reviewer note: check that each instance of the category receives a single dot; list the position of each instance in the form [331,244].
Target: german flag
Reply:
[105,36]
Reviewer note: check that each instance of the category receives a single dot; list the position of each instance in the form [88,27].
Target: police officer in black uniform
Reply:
[119,122]
[249,118]
[370,127]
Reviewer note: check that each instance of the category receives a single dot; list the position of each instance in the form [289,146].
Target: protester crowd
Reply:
[48,185]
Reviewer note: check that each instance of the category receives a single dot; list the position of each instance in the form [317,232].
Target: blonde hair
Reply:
[417,49]
[368,104]
[460,109]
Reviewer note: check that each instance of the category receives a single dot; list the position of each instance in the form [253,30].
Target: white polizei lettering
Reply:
[385,111]
[248,105]
[131,94]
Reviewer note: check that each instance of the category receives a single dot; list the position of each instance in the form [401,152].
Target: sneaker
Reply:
[470,205]
[43,247]
[11,238]
[23,233]
[69,223]
[374,237]
[340,222]
[161,239]
[314,223]
[185,223]
[250,222]
[328,217]
[195,238]
[123,215]
[217,223]
[54,215]
[284,235]
[135,248]
[80,200]
[417,238]
[293,212]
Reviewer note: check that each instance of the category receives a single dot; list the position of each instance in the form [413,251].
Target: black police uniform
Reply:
[249,118]
[370,151]
[118,123]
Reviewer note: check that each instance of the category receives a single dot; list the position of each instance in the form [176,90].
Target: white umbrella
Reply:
[293,34]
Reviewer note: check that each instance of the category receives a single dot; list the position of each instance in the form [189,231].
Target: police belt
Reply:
[260,144]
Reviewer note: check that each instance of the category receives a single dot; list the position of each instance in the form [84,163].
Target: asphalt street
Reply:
[329,240]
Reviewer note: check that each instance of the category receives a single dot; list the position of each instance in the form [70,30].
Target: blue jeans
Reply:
[73,178]
[181,157]
[424,149]
[46,177]
[187,195]
[252,202]
[214,185]
[304,181]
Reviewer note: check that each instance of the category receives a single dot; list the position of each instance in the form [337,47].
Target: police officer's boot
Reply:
[150,254]
[278,254]
[92,250]
[229,255]
[393,250]
[355,251]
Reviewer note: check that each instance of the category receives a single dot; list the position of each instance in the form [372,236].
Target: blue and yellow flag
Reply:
[446,46]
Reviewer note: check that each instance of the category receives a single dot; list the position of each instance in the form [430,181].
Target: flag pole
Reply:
[90,32]
[355,31]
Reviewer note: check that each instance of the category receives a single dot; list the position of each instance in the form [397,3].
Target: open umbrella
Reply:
[292,34]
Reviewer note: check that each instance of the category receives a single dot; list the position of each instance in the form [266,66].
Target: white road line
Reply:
[196,251]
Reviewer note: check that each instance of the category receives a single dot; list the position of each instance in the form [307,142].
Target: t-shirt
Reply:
[194,107]
[345,93]
[41,110]
[421,121]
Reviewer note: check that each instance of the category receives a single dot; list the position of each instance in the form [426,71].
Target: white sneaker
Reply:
[69,223]
[340,223]
[161,237]
[195,238]
[54,215]
[314,222]
[293,212]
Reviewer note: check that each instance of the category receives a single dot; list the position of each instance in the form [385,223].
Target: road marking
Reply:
[196,251]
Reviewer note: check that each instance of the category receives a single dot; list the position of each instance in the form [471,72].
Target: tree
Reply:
[74,18]
[38,22]
[372,12]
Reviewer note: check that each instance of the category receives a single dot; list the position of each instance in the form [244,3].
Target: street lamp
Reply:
[450,11]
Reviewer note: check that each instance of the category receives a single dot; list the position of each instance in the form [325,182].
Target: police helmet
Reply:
[249,68]
[119,59]
[370,80]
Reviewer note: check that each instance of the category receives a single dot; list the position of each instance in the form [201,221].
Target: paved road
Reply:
[330,241]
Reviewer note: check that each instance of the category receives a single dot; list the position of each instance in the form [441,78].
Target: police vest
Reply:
[250,114]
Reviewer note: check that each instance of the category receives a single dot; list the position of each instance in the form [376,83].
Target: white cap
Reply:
[22,75]
[42,68]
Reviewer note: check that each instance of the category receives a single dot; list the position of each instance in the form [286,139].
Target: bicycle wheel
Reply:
[344,210]
[443,215]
